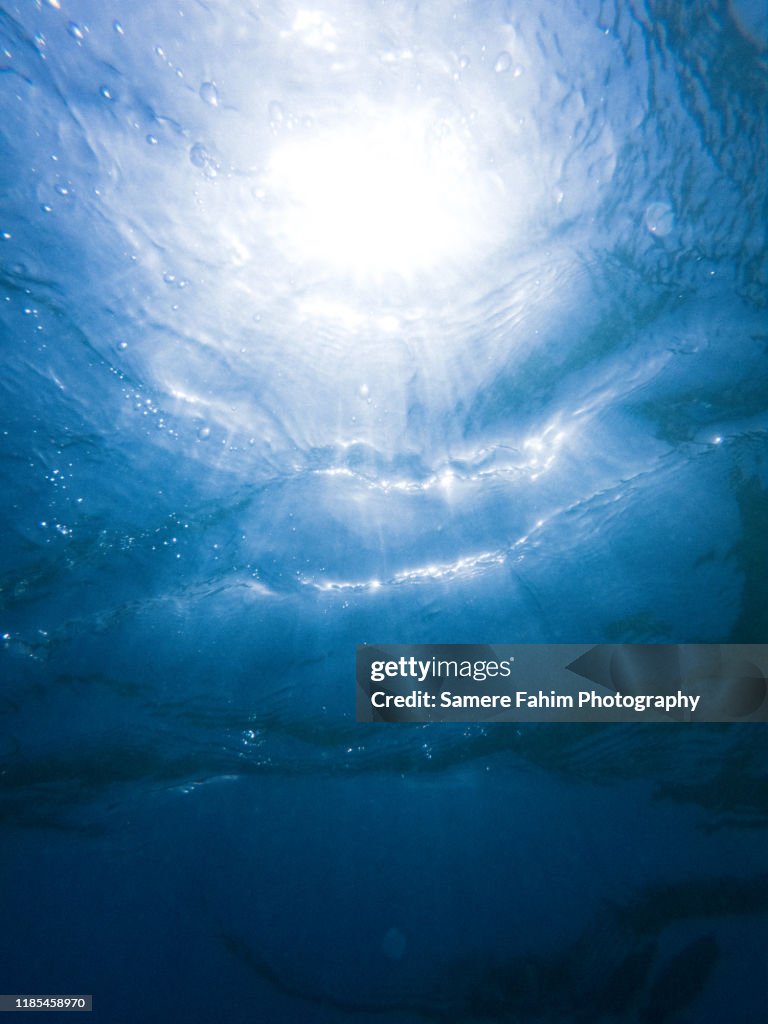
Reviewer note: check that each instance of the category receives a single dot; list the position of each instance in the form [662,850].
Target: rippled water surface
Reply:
[377,322]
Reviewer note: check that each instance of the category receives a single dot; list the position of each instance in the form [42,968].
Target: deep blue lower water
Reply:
[395,323]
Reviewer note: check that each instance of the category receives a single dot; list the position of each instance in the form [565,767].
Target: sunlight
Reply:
[395,193]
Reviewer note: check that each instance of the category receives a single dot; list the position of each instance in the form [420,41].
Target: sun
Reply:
[391,194]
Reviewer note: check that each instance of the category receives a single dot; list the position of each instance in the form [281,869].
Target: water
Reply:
[388,323]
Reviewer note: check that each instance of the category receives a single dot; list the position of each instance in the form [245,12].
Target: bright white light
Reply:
[394,194]
[314,29]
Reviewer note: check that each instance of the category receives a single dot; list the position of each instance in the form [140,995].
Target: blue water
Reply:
[391,323]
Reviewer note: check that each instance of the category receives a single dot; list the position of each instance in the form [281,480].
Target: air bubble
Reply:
[75,31]
[204,433]
[209,94]
[118,28]
[152,140]
[200,157]
[122,345]
[440,131]
[106,93]
[659,219]
[503,62]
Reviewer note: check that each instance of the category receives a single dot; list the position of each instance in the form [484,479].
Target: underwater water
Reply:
[376,322]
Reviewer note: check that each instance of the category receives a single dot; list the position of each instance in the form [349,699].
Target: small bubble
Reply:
[518,71]
[118,28]
[463,62]
[209,94]
[160,52]
[503,62]
[106,93]
[440,131]
[75,31]
[46,208]
[6,235]
[204,433]
[61,189]
[122,345]
[54,4]
[659,219]
[169,278]
[363,391]
[198,155]
[152,140]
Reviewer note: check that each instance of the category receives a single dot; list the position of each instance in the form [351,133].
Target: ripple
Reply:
[527,393]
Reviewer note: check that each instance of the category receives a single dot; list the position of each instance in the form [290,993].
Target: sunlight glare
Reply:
[393,195]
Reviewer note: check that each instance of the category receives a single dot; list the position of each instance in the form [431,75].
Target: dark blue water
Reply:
[394,323]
